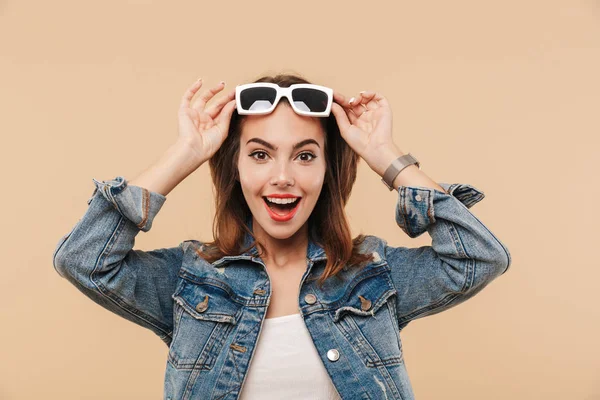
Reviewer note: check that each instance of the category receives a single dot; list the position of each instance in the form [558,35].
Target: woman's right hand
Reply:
[204,130]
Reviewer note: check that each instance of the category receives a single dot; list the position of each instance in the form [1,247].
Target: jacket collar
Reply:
[314,252]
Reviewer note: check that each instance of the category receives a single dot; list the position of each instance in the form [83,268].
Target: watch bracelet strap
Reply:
[396,167]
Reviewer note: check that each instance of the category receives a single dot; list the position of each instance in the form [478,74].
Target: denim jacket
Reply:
[210,314]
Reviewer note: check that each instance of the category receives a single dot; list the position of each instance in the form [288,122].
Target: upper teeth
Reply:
[282,201]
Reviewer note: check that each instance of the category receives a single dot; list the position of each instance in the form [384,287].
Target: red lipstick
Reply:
[286,217]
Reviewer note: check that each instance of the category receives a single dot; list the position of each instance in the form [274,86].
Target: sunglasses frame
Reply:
[281,92]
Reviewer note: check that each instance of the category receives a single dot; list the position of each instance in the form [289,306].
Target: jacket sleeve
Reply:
[464,256]
[97,257]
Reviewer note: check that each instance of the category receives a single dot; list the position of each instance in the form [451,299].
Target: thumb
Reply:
[216,135]
[224,117]
[340,117]
[351,134]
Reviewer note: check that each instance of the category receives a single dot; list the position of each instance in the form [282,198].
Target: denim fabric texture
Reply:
[210,314]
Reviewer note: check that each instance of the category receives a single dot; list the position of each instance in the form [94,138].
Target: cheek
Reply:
[248,183]
[249,178]
[314,184]
[253,183]
[318,183]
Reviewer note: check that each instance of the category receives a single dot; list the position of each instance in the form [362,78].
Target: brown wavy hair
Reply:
[332,231]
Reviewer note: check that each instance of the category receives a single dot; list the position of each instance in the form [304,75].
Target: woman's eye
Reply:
[256,156]
[258,152]
[307,154]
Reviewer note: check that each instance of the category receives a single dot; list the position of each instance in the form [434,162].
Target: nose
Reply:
[282,175]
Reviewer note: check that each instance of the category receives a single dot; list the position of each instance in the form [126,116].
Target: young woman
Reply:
[284,303]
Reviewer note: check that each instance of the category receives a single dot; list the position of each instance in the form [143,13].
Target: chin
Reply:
[280,230]
[282,235]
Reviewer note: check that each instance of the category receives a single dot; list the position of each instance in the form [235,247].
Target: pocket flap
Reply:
[367,296]
[208,301]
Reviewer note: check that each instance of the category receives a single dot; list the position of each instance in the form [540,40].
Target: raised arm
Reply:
[97,255]
[98,258]
[464,256]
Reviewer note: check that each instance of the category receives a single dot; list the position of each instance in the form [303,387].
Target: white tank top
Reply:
[286,365]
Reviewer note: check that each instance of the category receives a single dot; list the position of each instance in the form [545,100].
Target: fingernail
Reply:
[351,100]
[199,79]
[222,82]
[362,92]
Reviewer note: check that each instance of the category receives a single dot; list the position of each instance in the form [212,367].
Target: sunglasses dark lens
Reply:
[312,100]
[260,98]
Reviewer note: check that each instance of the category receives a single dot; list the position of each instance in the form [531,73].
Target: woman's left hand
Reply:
[366,125]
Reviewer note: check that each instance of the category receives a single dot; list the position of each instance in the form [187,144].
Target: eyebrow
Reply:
[296,146]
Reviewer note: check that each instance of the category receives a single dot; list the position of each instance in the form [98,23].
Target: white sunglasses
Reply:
[262,98]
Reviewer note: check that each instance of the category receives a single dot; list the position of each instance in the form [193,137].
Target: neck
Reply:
[283,252]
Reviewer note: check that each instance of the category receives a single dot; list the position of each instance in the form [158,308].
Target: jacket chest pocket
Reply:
[204,316]
[366,317]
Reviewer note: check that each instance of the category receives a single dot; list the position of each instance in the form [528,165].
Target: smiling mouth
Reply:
[282,209]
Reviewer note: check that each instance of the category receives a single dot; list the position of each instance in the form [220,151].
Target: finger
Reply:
[354,136]
[353,104]
[220,130]
[187,97]
[341,99]
[341,117]
[368,99]
[351,116]
[357,107]
[346,102]
[206,96]
[216,108]
[381,100]
[224,117]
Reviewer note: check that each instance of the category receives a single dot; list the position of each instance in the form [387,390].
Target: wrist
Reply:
[180,160]
[189,153]
[174,165]
[384,158]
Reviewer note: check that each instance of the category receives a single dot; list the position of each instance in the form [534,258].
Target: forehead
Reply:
[282,127]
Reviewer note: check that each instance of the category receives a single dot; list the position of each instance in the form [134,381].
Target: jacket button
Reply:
[203,305]
[418,197]
[376,256]
[310,298]
[333,355]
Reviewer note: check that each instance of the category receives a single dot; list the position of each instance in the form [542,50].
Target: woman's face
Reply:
[270,164]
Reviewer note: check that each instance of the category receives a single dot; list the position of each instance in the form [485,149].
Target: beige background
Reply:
[503,96]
